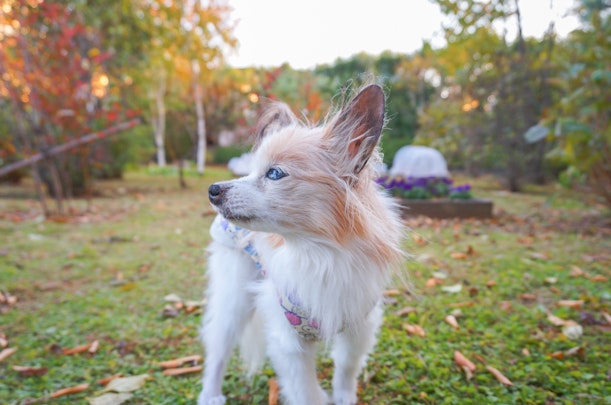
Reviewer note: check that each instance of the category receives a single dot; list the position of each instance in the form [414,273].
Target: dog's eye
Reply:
[275,173]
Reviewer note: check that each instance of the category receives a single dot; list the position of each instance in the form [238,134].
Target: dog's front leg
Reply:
[350,351]
[228,306]
[292,357]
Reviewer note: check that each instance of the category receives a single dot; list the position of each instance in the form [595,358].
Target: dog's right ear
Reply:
[275,115]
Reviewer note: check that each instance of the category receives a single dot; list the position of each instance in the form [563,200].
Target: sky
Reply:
[305,33]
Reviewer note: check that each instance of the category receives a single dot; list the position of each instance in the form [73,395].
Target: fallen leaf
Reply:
[5,353]
[557,355]
[181,371]
[490,283]
[599,278]
[572,331]
[110,398]
[274,392]
[405,311]
[25,371]
[506,305]
[458,255]
[607,317]
[106,380]
[413,329]
[571,303]
[432,282]
[499,376]
[392,293]
[77,349]
[127,384]
[69,391]
[540,256]
[196,359]
[452,288]
[440,275]
[3,341]
[551,280]
[525,352]
[578,351]
[451,319]
[528,297]
[172,298]
[556,320]
[462,304]
[95,345]
[462,361]
[576,272]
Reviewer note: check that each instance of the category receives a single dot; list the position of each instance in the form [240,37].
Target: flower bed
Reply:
[436,197]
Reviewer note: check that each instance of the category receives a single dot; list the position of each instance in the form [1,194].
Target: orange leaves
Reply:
[69,391]
[90,348]
[274,392]
[174,367]
[413,329]
[575,304]
[6,353]
[451,320]
[499,376]
[469,368]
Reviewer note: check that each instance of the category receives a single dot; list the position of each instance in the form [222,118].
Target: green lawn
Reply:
[102,275]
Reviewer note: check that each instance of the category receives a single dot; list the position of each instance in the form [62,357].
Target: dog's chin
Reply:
[236,218]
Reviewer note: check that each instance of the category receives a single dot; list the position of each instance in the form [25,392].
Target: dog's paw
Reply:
[344,398]
[205,400]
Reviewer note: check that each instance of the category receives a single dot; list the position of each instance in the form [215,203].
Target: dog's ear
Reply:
[275,115]
[356,130]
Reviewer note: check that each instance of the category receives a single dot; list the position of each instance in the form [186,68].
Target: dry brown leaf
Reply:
[106,380]
[556,320]
[462,361]
[555,290]
[607,317]
[180,371]
[491,283]
[3,341]
[576,272]
[77,349]
[405,311]
[540,256]
[525,352]
[499,376]
[392,293]
[462,304]
[578,351]
[432,282]
[506,305]
[110,398]
[5,353]
[93,348]
[274,392]
[414,329]
[576,304]
[451,319]
[174,363]
[557,355]
[458,255]
[599,278]
[528,297]
[69,391]
[127,384]
[26,371]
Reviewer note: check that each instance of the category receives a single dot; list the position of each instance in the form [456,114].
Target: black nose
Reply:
[214,193]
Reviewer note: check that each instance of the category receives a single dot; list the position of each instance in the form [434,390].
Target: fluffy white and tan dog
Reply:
[302,248]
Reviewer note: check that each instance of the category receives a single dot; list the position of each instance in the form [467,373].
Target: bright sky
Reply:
[305,33]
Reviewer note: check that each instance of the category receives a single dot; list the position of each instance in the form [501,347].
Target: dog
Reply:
[301,251]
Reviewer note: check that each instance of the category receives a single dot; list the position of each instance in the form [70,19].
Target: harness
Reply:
[299,318]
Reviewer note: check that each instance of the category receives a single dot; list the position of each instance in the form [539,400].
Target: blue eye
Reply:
[275,174]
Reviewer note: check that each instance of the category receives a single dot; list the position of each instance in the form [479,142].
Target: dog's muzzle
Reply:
[216,193]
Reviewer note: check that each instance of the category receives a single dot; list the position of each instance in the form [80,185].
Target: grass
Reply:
[102,274]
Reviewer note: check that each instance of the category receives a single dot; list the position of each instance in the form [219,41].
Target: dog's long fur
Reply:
[324,231]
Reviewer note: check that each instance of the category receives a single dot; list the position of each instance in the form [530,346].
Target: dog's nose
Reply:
[214,192]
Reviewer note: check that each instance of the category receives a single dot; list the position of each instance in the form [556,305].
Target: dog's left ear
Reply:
[356,131]
[275,116]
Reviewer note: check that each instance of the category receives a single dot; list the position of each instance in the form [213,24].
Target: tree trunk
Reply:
[201,120]
[158,120]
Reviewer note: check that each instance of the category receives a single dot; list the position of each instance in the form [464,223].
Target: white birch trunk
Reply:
[201,120]
[159,120]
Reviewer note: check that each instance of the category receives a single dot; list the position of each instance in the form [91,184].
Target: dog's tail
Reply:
[252,344]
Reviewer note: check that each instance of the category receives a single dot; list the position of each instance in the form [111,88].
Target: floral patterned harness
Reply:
[229,234]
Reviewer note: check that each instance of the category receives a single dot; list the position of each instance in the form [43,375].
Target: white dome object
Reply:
[240,166]
[419,161]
